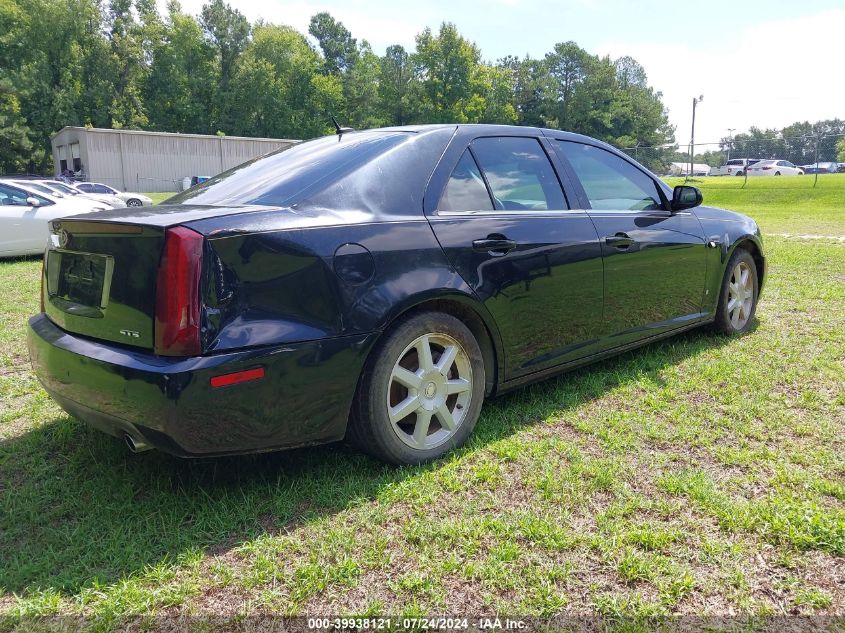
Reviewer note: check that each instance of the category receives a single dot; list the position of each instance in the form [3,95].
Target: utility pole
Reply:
[730,141]
[695,102]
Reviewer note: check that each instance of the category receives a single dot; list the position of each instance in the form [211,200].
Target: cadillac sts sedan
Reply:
[377,286]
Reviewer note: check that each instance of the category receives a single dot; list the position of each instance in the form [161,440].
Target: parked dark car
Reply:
[821,168]
[377,286]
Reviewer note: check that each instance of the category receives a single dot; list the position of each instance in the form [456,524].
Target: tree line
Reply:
[122,64]
[801,143]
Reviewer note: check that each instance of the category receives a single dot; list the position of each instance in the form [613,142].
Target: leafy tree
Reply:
[340,51]
[445,64]
[180,89]
[361,89]
[840,150]
[396,84]
[15,145]
[292,102]
[228,31]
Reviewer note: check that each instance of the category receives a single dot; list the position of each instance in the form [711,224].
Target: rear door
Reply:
[497,208]
[654,260]
[22,227]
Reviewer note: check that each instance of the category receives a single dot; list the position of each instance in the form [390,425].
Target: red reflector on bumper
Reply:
[237,377]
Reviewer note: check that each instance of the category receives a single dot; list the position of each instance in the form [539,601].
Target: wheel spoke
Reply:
[421,427]
[424,353]
[404,409]
[446,418]
[735,319]
[458,385]
[732,304]
[406,378]
[447,358]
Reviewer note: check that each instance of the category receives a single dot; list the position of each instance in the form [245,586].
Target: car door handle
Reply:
[494,245]
[620,241]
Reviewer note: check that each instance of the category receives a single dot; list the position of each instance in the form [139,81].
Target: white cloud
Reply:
[774,74]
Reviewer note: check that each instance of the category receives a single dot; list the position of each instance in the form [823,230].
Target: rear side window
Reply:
[87,188]
[519,174]
[465,190]
[293,173]
[611,183]
[735,162]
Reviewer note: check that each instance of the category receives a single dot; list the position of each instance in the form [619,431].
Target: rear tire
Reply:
[777,173]
[133,202]
[738,295]
[739,173]
[421,391]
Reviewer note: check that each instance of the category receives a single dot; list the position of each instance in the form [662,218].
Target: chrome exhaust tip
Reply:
[136,445]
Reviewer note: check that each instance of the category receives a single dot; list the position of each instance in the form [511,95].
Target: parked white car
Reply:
[734,167]
[130,199]
[66,189]
[61,190]
[24,214]
[774,168]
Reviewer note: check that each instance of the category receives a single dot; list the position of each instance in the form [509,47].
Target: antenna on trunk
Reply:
[340,130]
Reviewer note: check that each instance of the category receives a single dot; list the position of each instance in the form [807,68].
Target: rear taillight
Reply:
[177,312]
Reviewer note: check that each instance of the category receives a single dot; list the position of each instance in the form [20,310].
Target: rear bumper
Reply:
[304,397]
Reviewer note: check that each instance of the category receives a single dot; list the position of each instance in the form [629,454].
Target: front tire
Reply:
[738,297]
[134,202]
[421,391]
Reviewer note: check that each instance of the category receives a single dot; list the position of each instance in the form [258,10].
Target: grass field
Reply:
[700,475]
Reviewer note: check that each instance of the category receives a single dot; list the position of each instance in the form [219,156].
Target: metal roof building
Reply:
[151,161]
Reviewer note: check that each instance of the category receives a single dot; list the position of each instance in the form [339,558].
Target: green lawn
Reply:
[700,475]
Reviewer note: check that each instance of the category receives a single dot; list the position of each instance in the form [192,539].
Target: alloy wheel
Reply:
[430,391]
[740,295]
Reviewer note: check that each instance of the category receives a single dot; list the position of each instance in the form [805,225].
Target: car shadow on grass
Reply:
[78,510]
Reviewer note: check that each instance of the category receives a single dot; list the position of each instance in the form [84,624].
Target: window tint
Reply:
[519,173]
[465,190]
[735,162]
[102,189]
[611,183]
[87,188]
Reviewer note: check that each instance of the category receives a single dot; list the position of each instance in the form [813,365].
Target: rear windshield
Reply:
[284,176]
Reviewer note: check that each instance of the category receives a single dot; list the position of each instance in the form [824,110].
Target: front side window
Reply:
[87,188]
[465,190]
[519,174]
[102,189]
[611,183]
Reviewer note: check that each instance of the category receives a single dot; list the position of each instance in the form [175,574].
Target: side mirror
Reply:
[686,197]
[33,202]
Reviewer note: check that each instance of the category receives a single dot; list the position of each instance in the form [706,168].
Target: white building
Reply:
[152,161]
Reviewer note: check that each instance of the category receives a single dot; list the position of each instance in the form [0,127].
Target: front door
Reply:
[654,260]
[498,210]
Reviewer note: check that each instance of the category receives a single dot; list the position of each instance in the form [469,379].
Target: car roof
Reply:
[495,128]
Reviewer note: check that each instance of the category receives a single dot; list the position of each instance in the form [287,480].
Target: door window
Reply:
[102,189]
[519,174]
[465,190]
[86,187]
[12,197]
[611,183]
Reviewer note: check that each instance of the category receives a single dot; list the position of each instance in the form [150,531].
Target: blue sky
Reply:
[752,59]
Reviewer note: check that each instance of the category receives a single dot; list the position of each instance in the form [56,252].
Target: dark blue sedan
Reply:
[377,286]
